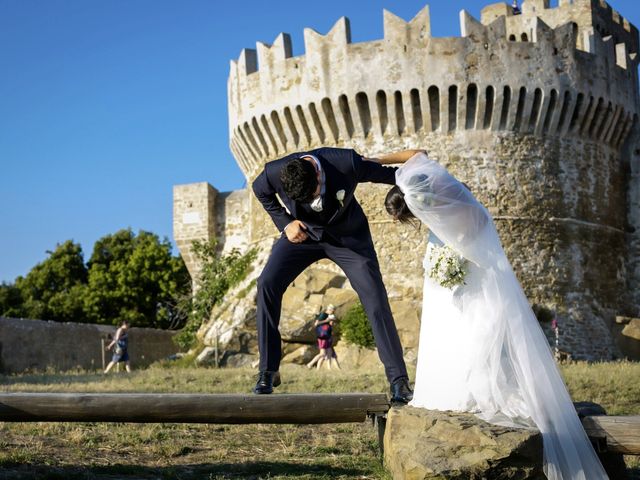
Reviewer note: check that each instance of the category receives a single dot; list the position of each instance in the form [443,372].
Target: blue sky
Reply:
[105,105]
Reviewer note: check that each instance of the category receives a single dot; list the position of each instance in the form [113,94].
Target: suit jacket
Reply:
[343,170]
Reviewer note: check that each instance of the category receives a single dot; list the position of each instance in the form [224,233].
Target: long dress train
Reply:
[481,348]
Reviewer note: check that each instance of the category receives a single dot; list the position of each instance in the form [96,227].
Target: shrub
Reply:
[217,275]
[355,327]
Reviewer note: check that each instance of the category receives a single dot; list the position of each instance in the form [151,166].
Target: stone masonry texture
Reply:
[37,345]
[537,113]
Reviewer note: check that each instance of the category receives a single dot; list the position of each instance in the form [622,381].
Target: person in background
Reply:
[332,356]
[121,350]
[324,333]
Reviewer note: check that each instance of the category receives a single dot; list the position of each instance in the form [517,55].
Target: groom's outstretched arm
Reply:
[396,157]
[372,169]
[266,194]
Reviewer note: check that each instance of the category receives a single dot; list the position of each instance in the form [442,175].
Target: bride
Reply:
[481,349]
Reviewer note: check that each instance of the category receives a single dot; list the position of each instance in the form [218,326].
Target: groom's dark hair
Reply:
[397,206]
[299,180]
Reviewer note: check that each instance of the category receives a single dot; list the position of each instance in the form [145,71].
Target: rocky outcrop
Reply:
[422,444]
[301,355]
[306,297]
[353,356]
[232,325]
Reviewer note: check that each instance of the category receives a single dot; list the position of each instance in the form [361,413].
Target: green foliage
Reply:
[11,303]
[218,274]
[355,327]
[134,277]
[54,288]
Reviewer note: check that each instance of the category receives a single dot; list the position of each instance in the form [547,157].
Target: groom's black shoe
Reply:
[266,382]
[401,392]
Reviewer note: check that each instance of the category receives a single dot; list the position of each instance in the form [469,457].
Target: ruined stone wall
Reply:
[37,345]
[232,220]
[194,218]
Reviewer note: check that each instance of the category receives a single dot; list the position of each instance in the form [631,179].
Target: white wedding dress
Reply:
[481,348]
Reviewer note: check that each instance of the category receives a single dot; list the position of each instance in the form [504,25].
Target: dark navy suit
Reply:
[340,233]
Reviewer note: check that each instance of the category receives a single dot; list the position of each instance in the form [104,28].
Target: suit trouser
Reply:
[288,260]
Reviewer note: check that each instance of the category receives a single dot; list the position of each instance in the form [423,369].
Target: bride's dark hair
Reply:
[397,207]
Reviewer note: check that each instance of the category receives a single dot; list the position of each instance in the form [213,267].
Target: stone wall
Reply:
[559,206]
[232,220]
[28,345]
[194,218]
[562,71]
[537,113]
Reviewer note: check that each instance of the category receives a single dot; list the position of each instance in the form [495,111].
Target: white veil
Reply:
[512,377]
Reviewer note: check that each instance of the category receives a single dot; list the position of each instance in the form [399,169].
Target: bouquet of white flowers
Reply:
[447,267]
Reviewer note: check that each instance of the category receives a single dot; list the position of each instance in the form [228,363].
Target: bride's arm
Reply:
[396,157]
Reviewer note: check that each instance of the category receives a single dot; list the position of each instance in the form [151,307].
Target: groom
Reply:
[322,219]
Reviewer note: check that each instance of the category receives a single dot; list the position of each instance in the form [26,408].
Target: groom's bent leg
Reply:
[363,271]
[286,262]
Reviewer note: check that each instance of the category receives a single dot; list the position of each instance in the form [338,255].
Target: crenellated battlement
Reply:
[536,112]
[568,70]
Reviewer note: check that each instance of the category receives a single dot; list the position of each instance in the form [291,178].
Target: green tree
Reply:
[134,277]
[54,288]
[11,304]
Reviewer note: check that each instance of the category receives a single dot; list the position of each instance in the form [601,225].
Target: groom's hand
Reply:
[295,232]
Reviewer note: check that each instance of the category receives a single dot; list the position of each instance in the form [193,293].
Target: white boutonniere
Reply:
[340,197]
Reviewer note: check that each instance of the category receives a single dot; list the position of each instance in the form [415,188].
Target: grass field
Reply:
[179,451]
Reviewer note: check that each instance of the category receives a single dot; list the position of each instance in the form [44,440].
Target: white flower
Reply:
[447,267]
[340,197]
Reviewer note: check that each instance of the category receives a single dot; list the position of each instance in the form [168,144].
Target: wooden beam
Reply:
[619,434]
[622,433]
[190,408]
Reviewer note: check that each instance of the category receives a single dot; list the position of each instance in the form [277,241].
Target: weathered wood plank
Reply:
[622,433]
[189,408]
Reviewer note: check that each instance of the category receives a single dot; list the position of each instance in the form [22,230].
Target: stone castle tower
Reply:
[536,112]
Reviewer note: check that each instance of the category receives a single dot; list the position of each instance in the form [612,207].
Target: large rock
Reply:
[235,359]
[352,356]
[318,281]
[632,329]
[341,298]
[310,293]
[299,310]
[207,357]
[301,355]
[427,444]
[406,314]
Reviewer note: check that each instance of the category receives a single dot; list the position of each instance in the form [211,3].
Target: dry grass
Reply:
[178,451]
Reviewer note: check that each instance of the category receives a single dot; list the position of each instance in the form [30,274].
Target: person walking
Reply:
[120,345]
